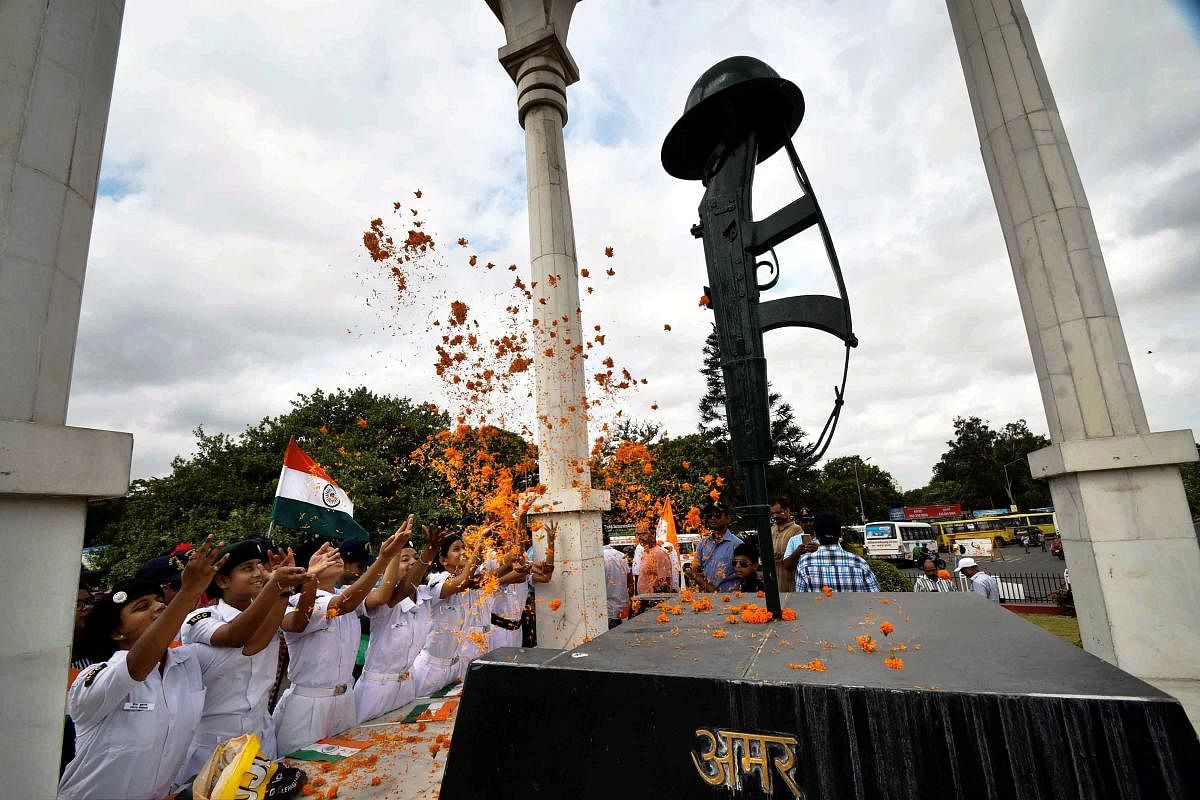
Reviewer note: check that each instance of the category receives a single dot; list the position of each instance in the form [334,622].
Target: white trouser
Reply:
[377,693]
[431,673]
[308,713]
[218,728]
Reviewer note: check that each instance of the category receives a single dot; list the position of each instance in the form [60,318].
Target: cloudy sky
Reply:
[250,143]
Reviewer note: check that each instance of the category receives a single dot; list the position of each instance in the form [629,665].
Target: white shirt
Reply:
[393,632]
[132,736]
[675,573]
[240,684]
[448,619]
[509,601]
[616,582]
[638,552]
[985,585]
[323,654]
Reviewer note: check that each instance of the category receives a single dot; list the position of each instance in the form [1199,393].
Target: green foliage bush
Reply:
[1064,599]
[890,578]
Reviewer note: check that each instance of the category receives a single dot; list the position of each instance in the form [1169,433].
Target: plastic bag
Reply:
[237,771]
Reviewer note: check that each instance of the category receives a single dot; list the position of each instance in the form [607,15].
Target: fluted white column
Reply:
[1130,546]
[537,60]
[57,61]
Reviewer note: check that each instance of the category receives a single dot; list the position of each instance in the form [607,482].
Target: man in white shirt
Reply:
[616,583]
[980,582]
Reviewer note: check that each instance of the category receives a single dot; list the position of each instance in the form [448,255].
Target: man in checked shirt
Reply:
[830,565]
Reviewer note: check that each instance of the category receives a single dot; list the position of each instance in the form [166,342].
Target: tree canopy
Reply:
[986,467]
[228,486]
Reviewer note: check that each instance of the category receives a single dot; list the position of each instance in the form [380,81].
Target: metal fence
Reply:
[1032,587]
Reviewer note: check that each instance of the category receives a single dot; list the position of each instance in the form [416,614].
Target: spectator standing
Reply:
[715,552]
[831,566]
[655,575]
[980,582]
[783,528]
[931,580]
[616,583]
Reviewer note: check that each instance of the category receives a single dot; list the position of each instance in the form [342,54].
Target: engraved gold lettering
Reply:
[730,755]
[722,764]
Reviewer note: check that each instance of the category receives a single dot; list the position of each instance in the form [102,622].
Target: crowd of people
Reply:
[804,562]
[209,643]
[187,654]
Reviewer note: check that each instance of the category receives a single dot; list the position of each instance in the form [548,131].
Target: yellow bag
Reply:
[235,771]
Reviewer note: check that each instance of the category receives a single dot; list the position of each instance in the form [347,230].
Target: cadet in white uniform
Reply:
[242,629]
[322,635]
[400,615]
[509,604]
[516,580]
[450,601]
[136,709]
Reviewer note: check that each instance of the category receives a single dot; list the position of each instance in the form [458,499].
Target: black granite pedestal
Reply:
[986,706]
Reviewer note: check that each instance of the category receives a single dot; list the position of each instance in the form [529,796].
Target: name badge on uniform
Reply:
[138,707]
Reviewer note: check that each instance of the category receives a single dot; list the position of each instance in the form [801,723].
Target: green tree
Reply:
[790,471]
[1191,485]
[989,466]
[228,486]
[838,484]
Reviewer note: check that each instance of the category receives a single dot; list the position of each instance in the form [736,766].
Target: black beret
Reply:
[160,570]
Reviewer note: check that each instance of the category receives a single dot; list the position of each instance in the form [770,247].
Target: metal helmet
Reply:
[731,99]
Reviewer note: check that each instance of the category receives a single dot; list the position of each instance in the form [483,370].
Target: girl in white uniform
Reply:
[400,621]
[136,709]
[322,634]
[515,585]
[458,611]
[240,635]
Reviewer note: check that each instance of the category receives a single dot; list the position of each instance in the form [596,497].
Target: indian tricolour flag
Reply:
[308,499]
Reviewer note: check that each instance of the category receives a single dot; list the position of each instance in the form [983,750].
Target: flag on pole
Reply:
[308,499]
[666,524]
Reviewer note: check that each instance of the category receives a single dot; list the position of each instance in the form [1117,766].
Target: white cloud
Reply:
[255,141]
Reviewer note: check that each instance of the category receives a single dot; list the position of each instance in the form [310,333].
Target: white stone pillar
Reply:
[57,61]
[1129,542]
[537,60]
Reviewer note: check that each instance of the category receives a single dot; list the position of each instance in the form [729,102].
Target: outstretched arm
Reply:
[148,650]
[352,597]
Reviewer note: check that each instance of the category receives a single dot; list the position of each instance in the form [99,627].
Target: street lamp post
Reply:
[861,511]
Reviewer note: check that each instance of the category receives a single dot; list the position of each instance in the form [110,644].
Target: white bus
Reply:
[896,540]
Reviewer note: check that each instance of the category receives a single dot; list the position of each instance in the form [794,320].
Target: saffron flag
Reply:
[308,499]
[666,524]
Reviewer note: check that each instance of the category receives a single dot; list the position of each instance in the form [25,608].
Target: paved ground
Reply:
[1017,561]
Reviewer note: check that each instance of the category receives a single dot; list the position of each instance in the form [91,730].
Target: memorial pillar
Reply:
[537,60]
[1129,541]
[57,61]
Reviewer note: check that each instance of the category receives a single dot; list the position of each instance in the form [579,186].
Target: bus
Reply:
[896,540]
[1002,529]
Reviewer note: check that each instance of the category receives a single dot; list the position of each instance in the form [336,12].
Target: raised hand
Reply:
[433,536]
[407,527]
[287,577]
[521,565]
[551,534]
[202,565]
[394,544]
[324,557]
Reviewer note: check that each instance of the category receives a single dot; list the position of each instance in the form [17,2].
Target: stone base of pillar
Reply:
[47,475]
[1134,568]
[42,539]
[578,580]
